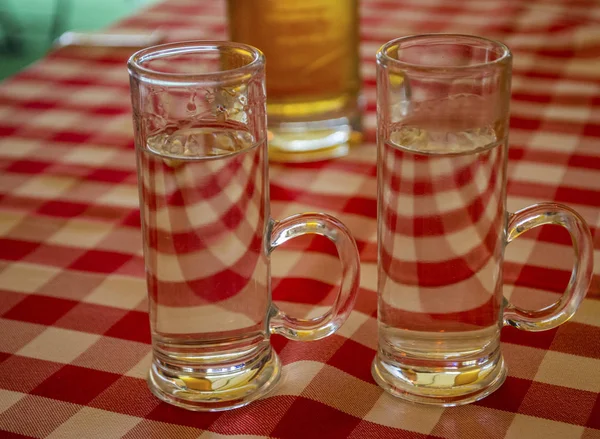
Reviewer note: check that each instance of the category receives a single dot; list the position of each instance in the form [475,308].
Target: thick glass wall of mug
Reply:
[204,209]
[442,170]
[199,111]
[443,117]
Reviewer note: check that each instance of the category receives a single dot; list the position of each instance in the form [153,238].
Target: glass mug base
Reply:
[231,387]
[311,141]
[460,384]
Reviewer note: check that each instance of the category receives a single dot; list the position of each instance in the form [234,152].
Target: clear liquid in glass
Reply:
[441,238]
[204,215]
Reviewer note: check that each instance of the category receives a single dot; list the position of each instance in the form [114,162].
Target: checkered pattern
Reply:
[204,230]
[442,221]
[74,349]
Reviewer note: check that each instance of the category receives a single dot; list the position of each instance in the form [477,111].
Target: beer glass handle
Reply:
[562,310]
[326,324]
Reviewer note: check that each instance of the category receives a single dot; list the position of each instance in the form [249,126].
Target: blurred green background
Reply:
[28,27]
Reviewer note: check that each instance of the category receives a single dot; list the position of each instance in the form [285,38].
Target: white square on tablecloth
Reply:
[571,371]
[296,376]
[57,120]
[537,172]
[58,345]
[14,147]
[578,88]
[9,219]
[524,426]
[46,186]
[81,233]
[8,398]
[354,321]
[554,141]
[589,310]
[368,275]
[336,183]
[140,370]
[97,95]
[395,413]
[569,113]
[119,291]
[122,195]
[90,155]
[26,278]
[94,423]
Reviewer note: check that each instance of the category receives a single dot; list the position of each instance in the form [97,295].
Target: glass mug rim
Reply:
[137,68]
[385,59]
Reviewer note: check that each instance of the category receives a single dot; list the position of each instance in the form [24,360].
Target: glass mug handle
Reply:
[562,310]
[326,324]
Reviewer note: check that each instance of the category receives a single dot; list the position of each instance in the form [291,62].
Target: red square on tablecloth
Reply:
[343,392]
[578,339]
[62,209]
[16,334]
[509,396]
[13,250]
[37,416]
[27,166]
[320,350]
[594,419]
[132,219]
[558,403]
[133,326]
[75,384]
[311,419]
[371,430]
[9,299]
[541,340]
[4,356]
[23,374]
[55,255]
[148,429]
[354,359]
[175,415]
[9,435]
[127,395]
[43,310]
[100,261]
[113,355]
[72,284]
[74,137]
[259,418]
[89,317]
[111,175]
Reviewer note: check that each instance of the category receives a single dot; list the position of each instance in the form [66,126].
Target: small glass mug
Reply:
[443,118]
[200,137]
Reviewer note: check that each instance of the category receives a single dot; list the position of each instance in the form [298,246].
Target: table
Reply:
[74,343]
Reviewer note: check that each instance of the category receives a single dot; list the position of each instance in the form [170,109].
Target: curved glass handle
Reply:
[581,276]
[326,324]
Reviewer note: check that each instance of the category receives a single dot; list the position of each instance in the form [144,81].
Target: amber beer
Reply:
[313,80]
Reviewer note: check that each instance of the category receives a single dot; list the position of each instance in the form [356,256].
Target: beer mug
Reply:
[443,119]
[199,113]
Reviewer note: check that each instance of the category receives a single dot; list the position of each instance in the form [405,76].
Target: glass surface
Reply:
[200,136]
[443,111]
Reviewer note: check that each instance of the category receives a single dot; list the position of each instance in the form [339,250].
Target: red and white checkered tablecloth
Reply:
[74,333]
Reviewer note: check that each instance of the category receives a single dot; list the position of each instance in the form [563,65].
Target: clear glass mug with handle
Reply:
[443,118]
[200,137]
